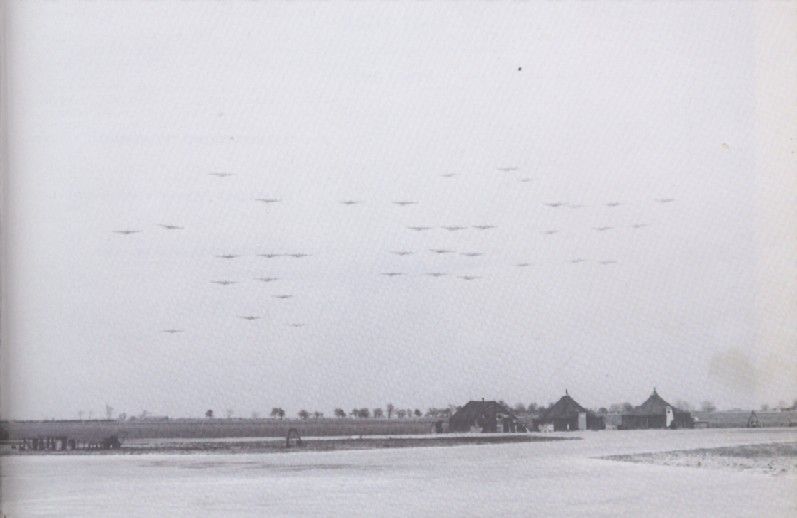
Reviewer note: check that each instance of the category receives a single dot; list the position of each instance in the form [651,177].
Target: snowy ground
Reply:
[561,478]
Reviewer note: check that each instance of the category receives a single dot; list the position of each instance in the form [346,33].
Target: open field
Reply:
[559,478]
[278,445]
[214,428]
[773,459]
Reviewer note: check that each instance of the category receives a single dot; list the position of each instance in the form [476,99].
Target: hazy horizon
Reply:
[647,136]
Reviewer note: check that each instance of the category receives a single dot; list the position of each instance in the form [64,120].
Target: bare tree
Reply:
[378,413]
[108,411]
[340,413]
[318,415]
[401,413]
[364,413]
[417,412]
[303,414]
[209,413]
[390,410]
[277,412]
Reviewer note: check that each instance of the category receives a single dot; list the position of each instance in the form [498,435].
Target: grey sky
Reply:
[119,112]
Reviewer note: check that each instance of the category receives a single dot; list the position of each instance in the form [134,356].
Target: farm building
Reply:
[566,414]
[485,416]
[656,413]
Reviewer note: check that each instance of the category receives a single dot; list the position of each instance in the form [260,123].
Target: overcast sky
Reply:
[120,112]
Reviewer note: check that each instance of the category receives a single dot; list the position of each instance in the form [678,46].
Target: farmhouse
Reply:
[656,413]
[485,416]
[566,414]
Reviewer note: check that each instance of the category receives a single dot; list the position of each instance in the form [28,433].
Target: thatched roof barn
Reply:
[655,412]
[566,414]
[485,416]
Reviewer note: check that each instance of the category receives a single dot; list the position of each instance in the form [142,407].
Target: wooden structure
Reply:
[566,415]
[655,412]
[485,417]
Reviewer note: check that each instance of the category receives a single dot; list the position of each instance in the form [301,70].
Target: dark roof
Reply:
[654,405]
[565,408]
[475,410]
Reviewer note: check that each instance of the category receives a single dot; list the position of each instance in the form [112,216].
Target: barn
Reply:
[656,413]
[486,417]
[566,414]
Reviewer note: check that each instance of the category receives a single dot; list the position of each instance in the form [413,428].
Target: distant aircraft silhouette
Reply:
[402,252]
[227,256]
[299,255]
[555,204]
[468,277]
[267,279]
[508,169]
[436,274]
[297,324]
[639,225]
[224,282]
[269,200]
[524,180]
[613,204]
[270,256]
[391,274]
[575,205]
[126,232]
[577,260]
[471,254]
[249,317]
[221,175]
[665,200]
[404,203]
[419,229]
[454,228]
[282,296]
[350,202]
[550,232]
[441,251]
[523,265]
[602,229]
[171,227]
[449,175]
[172,331]
[609,261]
[483,227]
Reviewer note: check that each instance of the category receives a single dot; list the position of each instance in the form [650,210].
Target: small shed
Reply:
[486,417]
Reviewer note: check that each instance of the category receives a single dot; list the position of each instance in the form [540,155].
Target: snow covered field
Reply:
[561,478]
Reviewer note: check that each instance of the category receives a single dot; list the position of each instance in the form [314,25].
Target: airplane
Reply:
[126,232]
